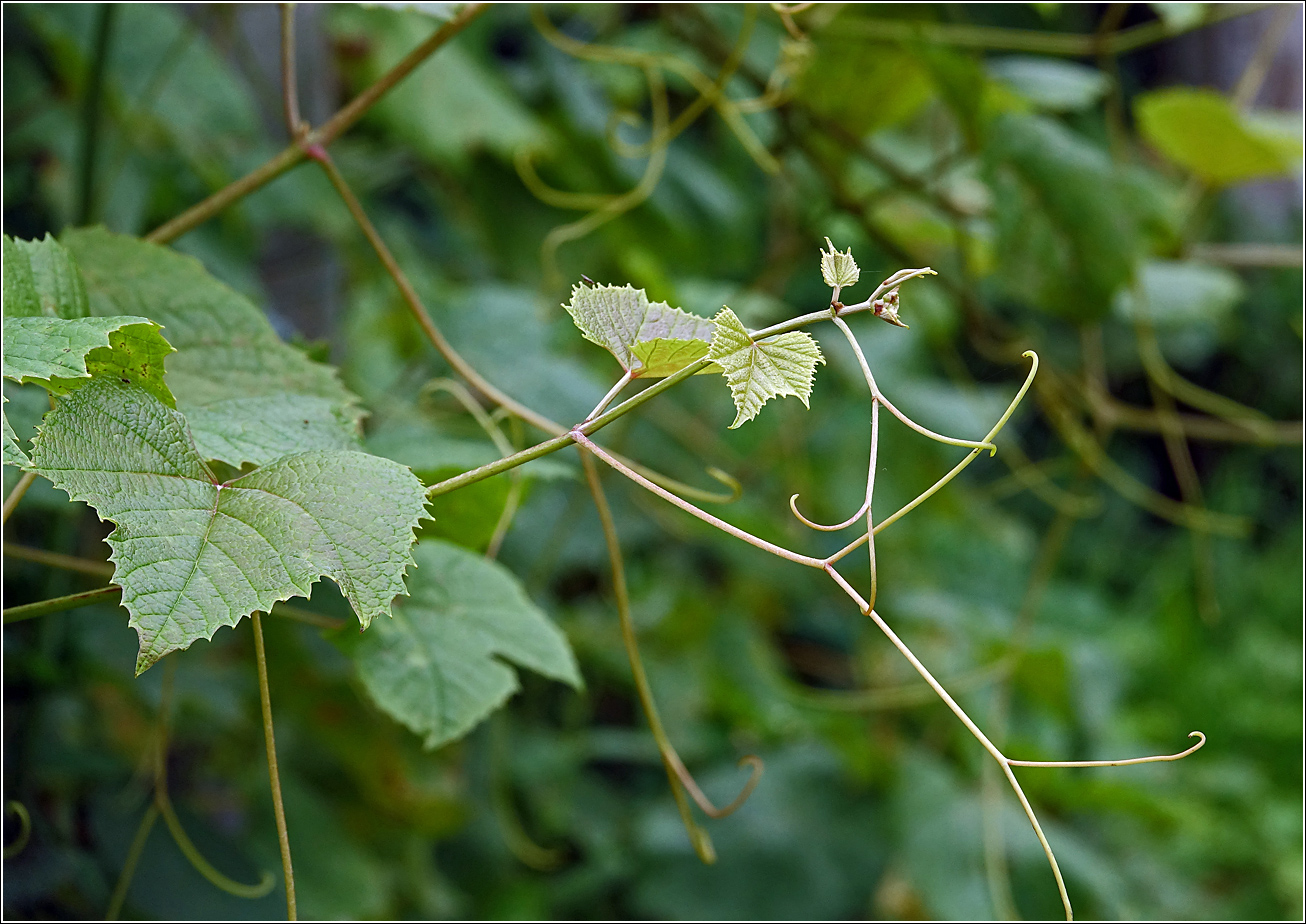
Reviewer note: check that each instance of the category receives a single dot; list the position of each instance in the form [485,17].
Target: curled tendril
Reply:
[1159,758]
[24,828]
[703,802]
[861,511]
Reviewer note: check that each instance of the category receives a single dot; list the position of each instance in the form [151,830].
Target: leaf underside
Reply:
[439,666]
[622,320]
[192,555]
[230,366]
[758,371]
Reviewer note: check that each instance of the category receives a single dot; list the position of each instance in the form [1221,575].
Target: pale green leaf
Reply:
[63,355]
[839,269]
[193,555]
[617,317]
[760,371]
[1203,132]
[41,279]
[663,356]
[227,353]
[439,665]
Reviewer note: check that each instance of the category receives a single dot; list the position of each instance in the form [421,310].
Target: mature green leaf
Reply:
[1049,83]
[63,355]
[434,666]
[19,286]
[760,371]
[1201,130]
[1175,293]
[618,317]
[231,369]
[41,279]
[13,453]
[192,554]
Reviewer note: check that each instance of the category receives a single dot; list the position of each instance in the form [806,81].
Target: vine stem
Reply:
[16,494]
[332,129]
[274,777]
[677,773]
[566,437]
[133,858]
[289,77]
[58,604]
[974,729]
[689,508]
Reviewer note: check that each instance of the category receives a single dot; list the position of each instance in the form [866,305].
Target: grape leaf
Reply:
[193,555]
[13,453]
[619,317]
[230,369]
[839,270]
[760,371]
[63,355]
[41,280]
[434,666]
[1202,130]
[664,356]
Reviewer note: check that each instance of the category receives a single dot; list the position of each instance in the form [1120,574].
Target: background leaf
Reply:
[1202,132]
[438,665]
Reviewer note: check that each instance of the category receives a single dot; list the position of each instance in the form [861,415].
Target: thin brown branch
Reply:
[332,129]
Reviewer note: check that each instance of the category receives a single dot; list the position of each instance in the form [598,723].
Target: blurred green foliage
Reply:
[1050,587]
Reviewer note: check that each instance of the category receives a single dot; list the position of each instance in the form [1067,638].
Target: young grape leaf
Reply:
[231,372]
[193,555]
[760,371]
[664,356]
[63,355]
[434,666]
[618,318]
[839,270]
[41,280]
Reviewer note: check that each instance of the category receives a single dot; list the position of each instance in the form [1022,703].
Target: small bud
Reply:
[839,269]
[887,309]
